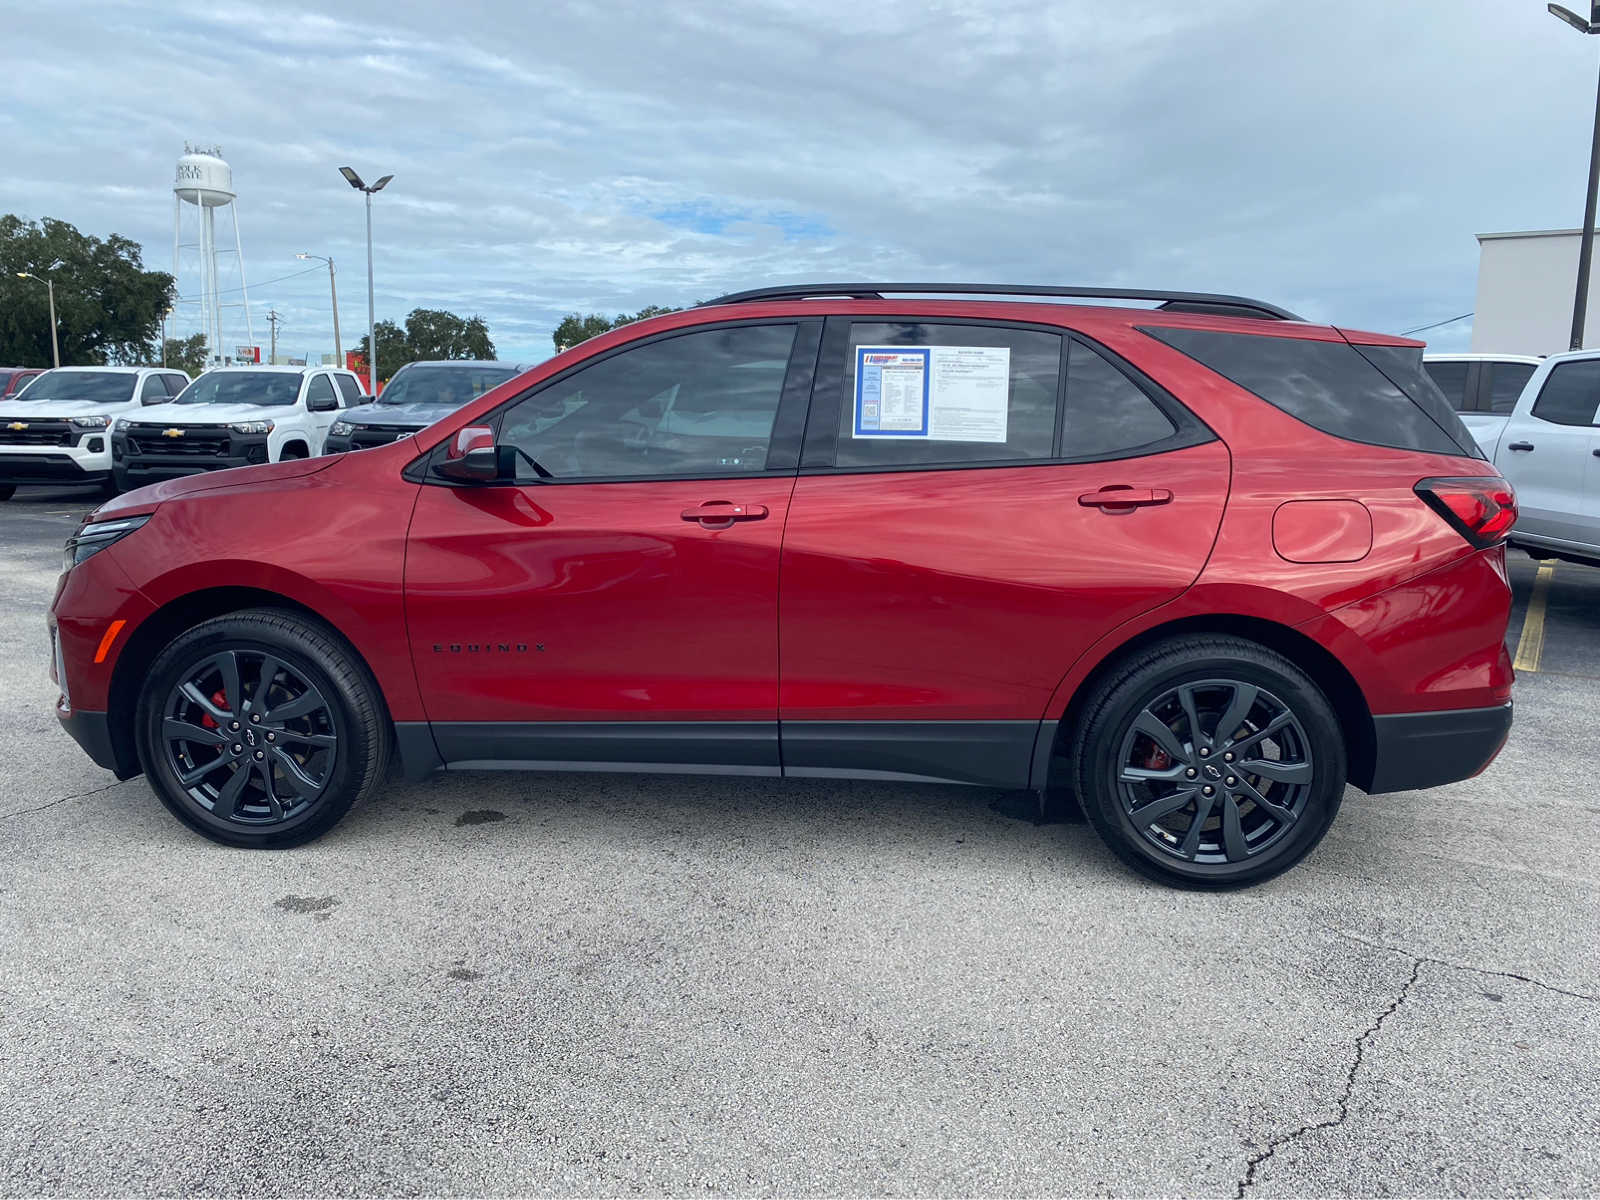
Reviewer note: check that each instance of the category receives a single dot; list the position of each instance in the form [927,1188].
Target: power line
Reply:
[266,283]
[1435,325]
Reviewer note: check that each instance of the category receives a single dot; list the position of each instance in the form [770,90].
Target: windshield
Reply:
[275,388]
[98,387]
[446,386]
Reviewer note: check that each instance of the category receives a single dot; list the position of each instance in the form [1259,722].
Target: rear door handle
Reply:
[1125,497]
[720,514]
[1520,446]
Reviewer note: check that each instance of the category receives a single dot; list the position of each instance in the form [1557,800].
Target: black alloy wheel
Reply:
[249,738]
[261,728]
[1209,761]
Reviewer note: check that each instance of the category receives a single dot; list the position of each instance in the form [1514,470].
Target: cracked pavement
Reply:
[597,984]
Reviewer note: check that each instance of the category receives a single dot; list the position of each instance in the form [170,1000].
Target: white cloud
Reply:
[1334,158]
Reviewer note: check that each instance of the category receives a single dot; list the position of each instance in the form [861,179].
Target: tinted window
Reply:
[320,391]
[100,387]
[700,404]
[1570,393]
[275,389]
[1106,411]
[1506,381]
[1451,379]
[1328,385]
[449,387]
[999,395]
[1402,366]
[154,391]
[349,388]
[175,383]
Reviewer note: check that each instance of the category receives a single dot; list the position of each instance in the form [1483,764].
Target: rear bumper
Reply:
[1426,749]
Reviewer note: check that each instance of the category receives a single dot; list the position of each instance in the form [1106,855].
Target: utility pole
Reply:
[1580,303]
[273,319]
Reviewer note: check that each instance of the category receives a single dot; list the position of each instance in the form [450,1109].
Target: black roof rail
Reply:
[1210,303]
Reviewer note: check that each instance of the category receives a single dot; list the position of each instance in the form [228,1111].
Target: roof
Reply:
[118,370]
[469,362]
[1529,233]
[1512,358]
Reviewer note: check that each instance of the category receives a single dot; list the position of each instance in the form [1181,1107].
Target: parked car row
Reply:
[124,427]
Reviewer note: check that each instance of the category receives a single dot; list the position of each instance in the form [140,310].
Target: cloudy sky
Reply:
[551,157]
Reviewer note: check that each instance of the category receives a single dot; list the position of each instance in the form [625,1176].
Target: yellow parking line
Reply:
[1531,644]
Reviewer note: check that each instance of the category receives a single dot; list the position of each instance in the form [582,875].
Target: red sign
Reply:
[250,354]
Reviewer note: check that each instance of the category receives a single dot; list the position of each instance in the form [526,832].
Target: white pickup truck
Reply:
[58,428]
[233,417]
[1548,446]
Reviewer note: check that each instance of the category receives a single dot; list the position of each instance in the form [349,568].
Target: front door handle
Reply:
[721,514]
[1520,446]
[1125,497]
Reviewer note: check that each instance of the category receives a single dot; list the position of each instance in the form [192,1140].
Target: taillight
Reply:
[1481,508]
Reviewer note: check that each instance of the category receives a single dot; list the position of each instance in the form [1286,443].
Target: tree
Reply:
[187,354]
[430,334]
[108,307]
[576,327]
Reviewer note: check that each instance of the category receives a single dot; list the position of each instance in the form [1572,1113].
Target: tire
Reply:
[1134,756]
[293,452]
[323,715]
[113,485]
[7,490]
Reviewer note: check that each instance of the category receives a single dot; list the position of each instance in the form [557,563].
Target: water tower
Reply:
[206,182]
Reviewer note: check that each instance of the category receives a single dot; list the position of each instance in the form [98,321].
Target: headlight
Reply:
[341,429]
[122,425]
[90,422]
[94,537]
[251,427]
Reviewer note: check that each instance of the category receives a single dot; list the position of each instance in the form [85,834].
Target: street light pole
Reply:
[354,181]
[50,288]
[1580,300]
[333,291]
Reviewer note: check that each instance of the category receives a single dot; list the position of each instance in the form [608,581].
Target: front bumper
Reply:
[92,731]
[1426,749]
[136,466]
[57,466]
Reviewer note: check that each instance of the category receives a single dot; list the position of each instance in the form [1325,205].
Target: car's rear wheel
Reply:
[1209,761]
[261,729]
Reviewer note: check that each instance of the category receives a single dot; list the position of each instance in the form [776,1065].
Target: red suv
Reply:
[1218,561]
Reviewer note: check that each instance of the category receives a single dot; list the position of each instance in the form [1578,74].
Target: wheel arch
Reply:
[294,442]
[1326,671]
[167,622]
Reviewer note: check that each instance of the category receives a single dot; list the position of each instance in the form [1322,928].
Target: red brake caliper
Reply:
[220,699]
[1157,759]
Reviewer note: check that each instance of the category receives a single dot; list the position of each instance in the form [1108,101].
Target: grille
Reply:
[37,433]
[368,436]
[198,441]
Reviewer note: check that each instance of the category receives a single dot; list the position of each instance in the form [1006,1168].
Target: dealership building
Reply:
[1525,286]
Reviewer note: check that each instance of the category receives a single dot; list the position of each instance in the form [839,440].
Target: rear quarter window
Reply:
[1351,393]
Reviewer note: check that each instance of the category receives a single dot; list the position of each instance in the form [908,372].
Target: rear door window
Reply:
[320,391]
[938,393]
[1570,393]
[1334,386]
[153,391]
[350,389]
[1506,381]
[1451,379]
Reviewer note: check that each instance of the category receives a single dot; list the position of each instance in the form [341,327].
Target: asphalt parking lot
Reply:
[597,984]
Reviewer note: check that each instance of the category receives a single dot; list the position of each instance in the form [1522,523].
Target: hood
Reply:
[209,414]
[149,498]
[14,409]
[412,416]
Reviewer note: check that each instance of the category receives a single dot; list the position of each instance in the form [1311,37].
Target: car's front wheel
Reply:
[261,729]
[1209,761]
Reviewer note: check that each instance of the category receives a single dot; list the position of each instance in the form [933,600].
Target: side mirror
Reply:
[321,404]
[474,458]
